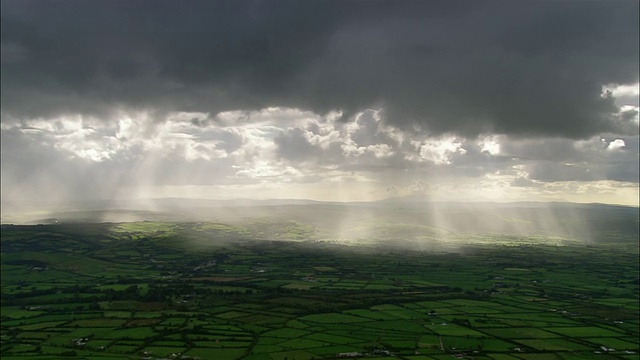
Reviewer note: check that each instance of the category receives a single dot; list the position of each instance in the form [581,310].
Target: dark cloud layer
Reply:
[466,67]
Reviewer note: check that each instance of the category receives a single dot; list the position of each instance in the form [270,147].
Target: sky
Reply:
[324,100]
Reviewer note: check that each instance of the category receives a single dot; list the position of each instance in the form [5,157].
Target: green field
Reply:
[145,290]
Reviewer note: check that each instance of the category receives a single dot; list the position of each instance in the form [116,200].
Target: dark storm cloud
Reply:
[466,67]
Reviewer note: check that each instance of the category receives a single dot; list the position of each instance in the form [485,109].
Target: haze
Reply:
[465,101]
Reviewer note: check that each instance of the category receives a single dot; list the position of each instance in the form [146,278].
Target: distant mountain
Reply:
[415,198]
[426,200]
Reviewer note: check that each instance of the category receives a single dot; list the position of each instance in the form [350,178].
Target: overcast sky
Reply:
[325,100]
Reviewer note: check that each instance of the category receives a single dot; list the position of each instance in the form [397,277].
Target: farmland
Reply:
[278,290]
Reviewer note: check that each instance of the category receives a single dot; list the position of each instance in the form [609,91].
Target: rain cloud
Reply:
[320,99]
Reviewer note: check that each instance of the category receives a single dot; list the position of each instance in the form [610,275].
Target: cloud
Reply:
[363,100]
[295,145]
[616,144]
[463,68]
[625,95]
[440,151]
[523,182]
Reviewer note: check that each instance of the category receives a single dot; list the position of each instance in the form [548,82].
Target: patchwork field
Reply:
[143,290]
